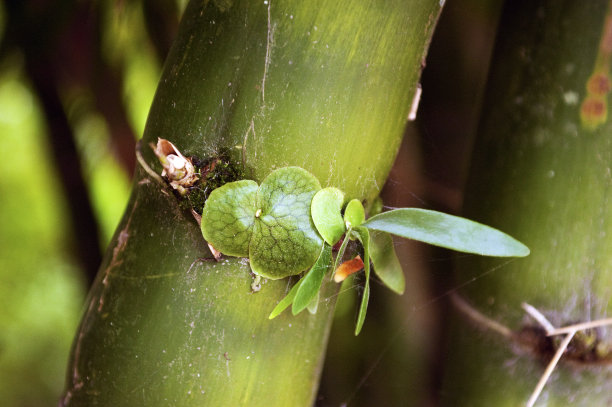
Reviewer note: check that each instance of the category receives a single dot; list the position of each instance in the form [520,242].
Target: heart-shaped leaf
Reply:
[311,282]
[271,224]
[228,217]
[386,264]
[284,241]
[448,231]
[326,211]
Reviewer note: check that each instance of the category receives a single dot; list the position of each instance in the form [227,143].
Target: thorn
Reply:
[569,332]
[581,326]
[539,317]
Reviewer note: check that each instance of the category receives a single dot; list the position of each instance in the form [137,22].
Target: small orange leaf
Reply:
[347,268]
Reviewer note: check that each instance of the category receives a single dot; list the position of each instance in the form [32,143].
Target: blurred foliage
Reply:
[125,44]
[42,285]
[107,181]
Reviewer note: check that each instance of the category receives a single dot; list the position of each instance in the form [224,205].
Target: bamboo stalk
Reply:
[324,85]
[541,173]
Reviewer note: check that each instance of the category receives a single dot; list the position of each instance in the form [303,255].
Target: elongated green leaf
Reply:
[326,210]
[285,241]
[363,307]
[448,231]
[285,302]
[311,282]
[341,251]
[364,238]
[386,264]
[228,217]
[354,214]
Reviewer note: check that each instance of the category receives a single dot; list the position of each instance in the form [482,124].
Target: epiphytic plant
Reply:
[289,224]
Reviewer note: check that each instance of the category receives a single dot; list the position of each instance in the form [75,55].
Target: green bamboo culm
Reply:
[323,85]
[541,172]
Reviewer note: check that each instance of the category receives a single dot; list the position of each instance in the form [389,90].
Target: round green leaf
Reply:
[354,214]
[326,213]
[228,217]
[284,241]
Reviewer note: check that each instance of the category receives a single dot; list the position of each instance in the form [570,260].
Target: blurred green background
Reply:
[76,82]
[82,49]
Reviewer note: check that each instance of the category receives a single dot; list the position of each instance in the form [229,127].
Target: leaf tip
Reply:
[275,312]
[294,312]
[280,307]
[523,251]
[517,249]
